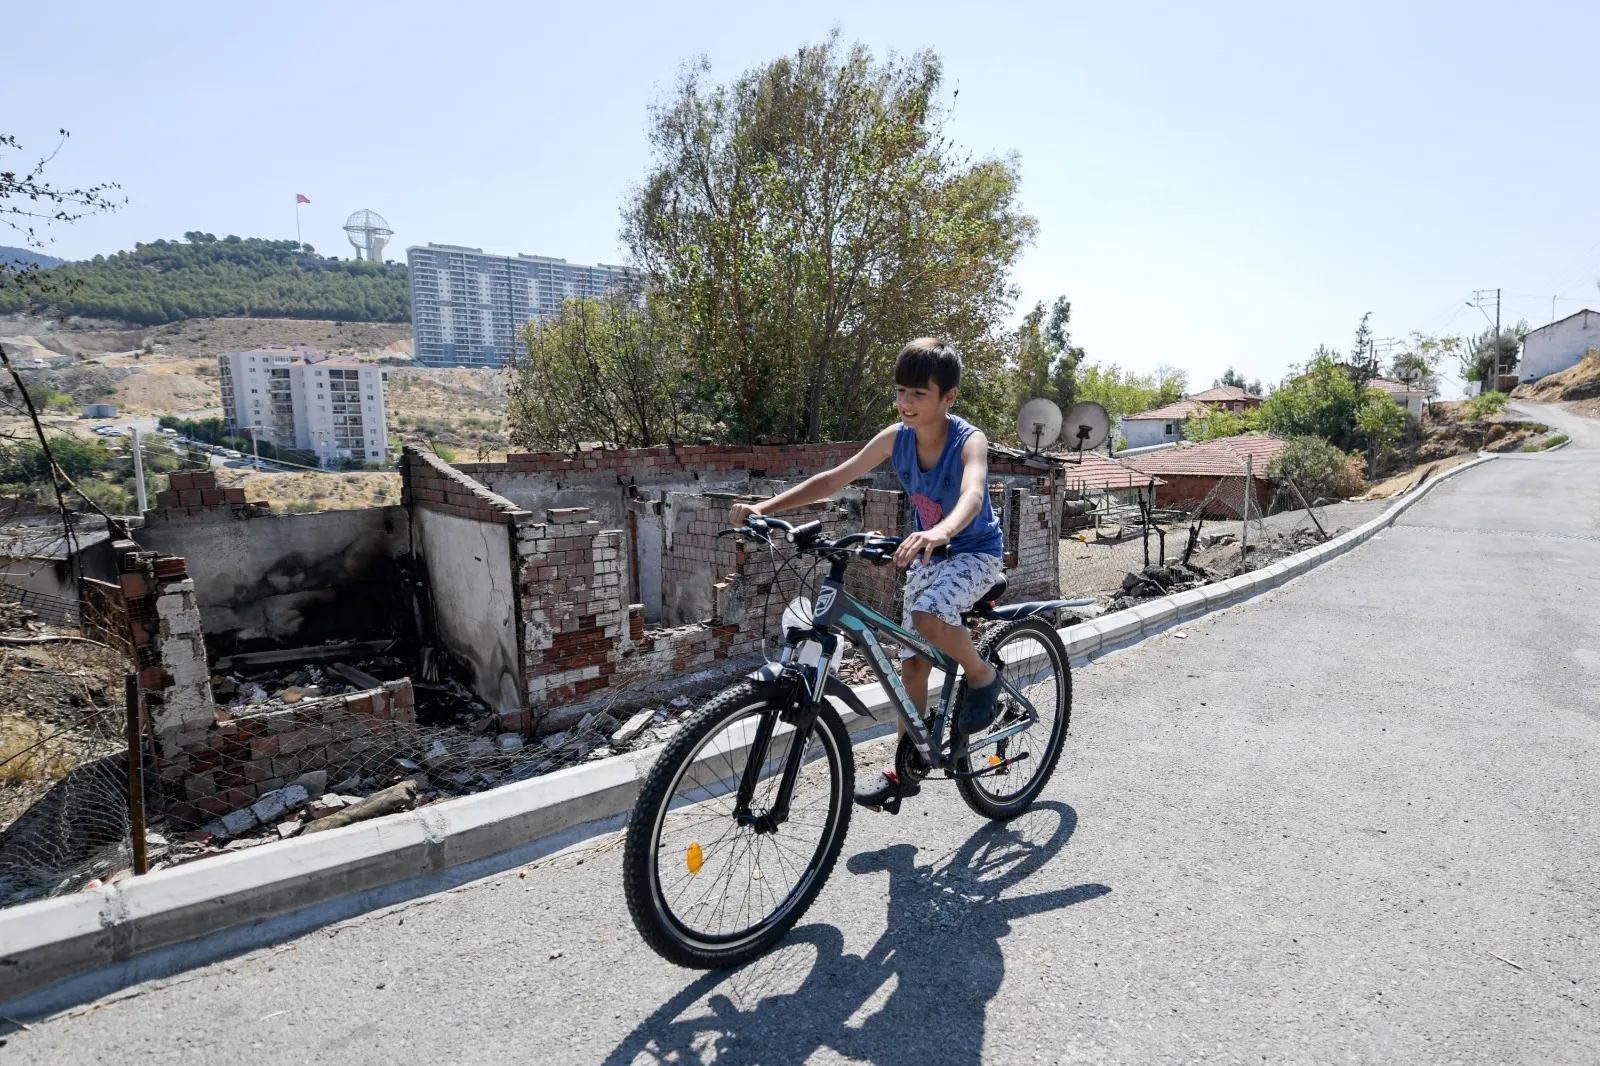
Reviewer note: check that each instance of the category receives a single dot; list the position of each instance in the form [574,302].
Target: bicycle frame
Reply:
[837,612]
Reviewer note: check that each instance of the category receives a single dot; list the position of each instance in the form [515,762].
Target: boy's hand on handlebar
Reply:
[923,544]
[739,512]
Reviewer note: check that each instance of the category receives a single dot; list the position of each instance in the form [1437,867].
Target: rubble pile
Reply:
[274,688]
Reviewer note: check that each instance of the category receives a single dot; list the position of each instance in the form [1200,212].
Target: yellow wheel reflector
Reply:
[994,760]
[695,859]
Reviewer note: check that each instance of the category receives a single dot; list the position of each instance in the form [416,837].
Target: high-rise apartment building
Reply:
[293,396]
[468,308]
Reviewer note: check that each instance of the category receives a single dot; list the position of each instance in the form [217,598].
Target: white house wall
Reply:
[1144,432]
[1559,345]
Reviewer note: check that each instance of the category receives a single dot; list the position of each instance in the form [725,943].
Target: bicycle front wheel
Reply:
[709,889]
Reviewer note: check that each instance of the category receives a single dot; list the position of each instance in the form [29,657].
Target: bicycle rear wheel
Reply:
[706,889]
[1035,663]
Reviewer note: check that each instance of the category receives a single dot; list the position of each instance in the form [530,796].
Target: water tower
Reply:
[369,233]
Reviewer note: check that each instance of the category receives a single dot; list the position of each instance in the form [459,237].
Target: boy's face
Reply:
[922,408]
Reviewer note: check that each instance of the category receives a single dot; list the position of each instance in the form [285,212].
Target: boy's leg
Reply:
[956,642]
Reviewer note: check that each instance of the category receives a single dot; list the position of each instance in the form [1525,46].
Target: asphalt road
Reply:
[1355,821]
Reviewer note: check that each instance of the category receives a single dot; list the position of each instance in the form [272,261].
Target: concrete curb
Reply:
[70,949]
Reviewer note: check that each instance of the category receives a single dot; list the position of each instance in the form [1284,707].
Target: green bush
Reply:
[1318,469]
[1484,405]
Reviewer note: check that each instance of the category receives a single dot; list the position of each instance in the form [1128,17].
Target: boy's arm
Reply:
[974,480]
[821,486]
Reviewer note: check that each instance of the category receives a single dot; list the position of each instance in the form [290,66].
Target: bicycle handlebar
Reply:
[874,547]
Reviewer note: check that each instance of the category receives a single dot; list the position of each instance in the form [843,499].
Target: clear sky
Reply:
[1216,184]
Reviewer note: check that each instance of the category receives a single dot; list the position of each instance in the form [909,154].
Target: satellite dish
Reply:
[1087,426]
[1038,424]
[1411,374]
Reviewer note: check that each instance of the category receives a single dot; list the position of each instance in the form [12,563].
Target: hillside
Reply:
[201,276]
[1580,382]
[24,258]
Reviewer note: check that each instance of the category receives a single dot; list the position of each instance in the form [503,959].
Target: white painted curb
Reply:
[50,945]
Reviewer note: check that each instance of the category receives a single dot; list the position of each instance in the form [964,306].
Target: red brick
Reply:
[212,497]
[264,747]
[181,481]
[233,495]
[171,566]
[135,585]
[189,497]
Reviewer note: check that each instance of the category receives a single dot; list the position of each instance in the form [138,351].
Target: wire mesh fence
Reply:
[1182,534]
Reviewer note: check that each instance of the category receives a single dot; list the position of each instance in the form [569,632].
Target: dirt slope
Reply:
[1580,382]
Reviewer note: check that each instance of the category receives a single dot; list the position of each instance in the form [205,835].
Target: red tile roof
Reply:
[1096,472]
[1223,456]
[1223,394]
[1176,409]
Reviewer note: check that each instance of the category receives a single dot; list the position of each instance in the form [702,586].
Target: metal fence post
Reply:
[141,857]
[1244,525]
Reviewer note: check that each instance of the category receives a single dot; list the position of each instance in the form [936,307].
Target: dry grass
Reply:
[300,492]
[461,408]
[1400,483]
[26,754]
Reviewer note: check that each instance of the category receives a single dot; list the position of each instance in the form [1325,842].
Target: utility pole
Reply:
[138,468]
[1479,298]
[255,448]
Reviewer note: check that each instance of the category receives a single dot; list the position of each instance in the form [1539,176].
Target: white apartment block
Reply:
[290,395]
[468,308]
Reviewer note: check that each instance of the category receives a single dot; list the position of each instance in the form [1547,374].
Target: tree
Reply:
[1046,361]
[1216,422]
[1364,356]
[1420,360]
[602,370]
[1236,379]
[28,201]
[1124,392]
[807,220]
[1487,350]
[1318,469]
[1321,401]
[1380,421]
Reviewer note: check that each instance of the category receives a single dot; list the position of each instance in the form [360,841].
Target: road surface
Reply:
[1356,821]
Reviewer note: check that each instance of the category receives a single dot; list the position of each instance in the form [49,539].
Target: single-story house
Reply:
[1164,424]
[1109,483]
[1214,471]
[1562,344]
[1411,397]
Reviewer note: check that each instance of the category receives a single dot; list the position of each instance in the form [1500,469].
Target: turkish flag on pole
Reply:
[301,198]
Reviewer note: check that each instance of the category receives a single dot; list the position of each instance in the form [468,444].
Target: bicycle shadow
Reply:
[919,994]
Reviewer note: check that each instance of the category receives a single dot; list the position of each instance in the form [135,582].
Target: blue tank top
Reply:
[934,492]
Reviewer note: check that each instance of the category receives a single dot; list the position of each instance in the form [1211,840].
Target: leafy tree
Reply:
[606,370]
[1124,392]
[1422,357]
[807,220]
[1318,469]
[1046,360]
[1488,349]
[1217,421]
[1380,421]
[1321,401]
[1363,355]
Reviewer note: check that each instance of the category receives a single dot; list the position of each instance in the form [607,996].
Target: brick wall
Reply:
[431,483]
[1223,496]
[197,493]
[240,756]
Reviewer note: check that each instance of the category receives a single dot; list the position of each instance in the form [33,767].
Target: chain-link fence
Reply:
[1187,531]
[63,757]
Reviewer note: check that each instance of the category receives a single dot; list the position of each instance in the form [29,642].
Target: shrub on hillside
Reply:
[1318,469]
[1484,405]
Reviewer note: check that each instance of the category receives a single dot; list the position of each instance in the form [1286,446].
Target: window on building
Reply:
[1170,430]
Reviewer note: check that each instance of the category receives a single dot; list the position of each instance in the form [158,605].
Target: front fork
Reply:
[803,702]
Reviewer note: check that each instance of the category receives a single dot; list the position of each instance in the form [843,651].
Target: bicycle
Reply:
[738,824]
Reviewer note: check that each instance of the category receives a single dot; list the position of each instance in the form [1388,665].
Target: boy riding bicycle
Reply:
[942,460]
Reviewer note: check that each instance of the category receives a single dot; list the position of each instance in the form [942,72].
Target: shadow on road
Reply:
[919,995]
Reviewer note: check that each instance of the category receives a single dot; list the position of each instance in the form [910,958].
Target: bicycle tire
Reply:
[971,792]
[651,913]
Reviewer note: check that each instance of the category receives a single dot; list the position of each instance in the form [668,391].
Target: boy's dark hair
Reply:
[928,359]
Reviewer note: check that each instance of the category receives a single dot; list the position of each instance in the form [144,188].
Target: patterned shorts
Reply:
[950,586]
